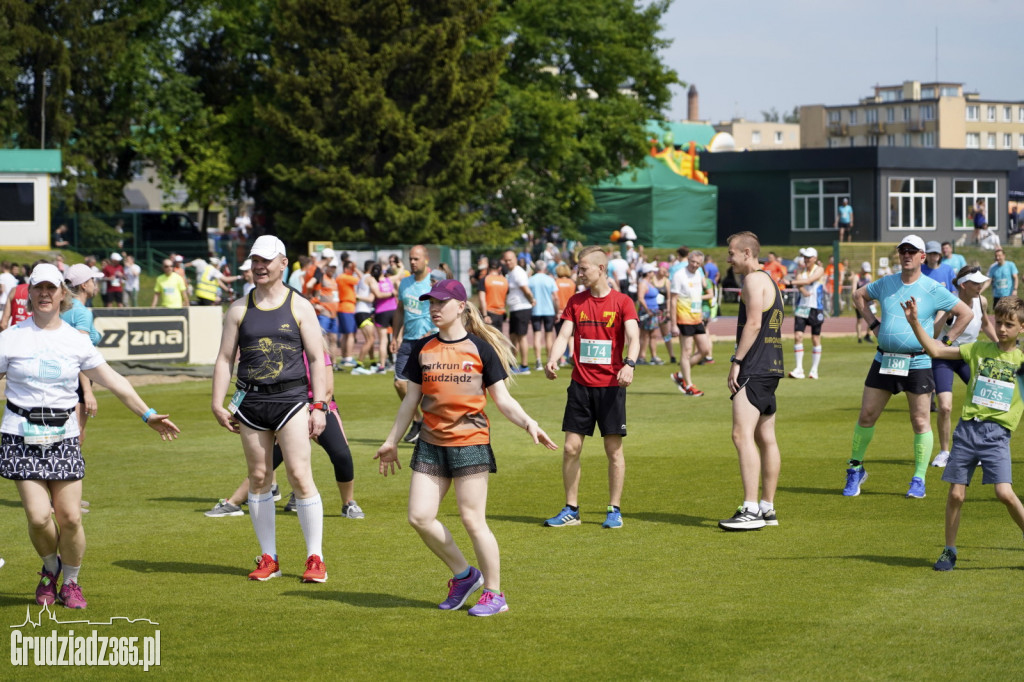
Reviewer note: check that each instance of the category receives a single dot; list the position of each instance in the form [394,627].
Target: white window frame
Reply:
[927,112]
[990,112]
[990,141]
[755,137]
[970,198]
[1007,113]
[890,114]
[1020,114]
[908,204]
[928,139]
[973,112]
[835,116]
[778,137]
[1020,141]
[853,117]
[822,198]
[871,115]
[1007,140]
[973,141]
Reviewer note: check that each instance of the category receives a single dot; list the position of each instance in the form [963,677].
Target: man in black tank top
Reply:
[756,368]
[272,328]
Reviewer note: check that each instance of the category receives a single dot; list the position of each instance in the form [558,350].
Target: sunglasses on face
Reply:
[903,252]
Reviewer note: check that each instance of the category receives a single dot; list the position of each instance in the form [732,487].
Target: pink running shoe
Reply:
[490,604]
[46,590]
[71,596]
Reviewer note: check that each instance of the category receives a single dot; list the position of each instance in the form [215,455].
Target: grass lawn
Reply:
[842,588]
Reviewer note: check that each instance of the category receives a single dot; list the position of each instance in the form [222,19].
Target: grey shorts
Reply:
[979,442]
[401,359]
[452,462]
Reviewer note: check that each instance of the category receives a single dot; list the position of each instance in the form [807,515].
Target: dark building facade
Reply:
[791,196]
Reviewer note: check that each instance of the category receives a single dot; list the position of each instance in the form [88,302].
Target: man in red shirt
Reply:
[113,273]
[600,322]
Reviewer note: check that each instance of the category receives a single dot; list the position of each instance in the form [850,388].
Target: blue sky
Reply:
[746,56]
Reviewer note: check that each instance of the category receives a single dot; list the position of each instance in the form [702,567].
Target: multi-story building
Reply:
[915,114]
[760,136]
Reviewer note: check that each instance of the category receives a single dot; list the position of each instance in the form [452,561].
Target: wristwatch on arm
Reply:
[631,363]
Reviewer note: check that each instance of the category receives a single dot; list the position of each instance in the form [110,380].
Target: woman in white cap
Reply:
[969,282]
[858,280]
[453,372]
[810,311]
[81,283]
[39,436]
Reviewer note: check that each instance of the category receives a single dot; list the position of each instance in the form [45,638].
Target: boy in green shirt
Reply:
[992,410]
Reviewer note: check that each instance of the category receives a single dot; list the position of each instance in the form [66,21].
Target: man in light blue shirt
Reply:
[901,363]
[953,260]
[543,315]
[1003,274]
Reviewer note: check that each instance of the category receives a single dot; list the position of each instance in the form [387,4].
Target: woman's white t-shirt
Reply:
[42,368]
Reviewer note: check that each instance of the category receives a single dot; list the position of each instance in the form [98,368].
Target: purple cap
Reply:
[445,289]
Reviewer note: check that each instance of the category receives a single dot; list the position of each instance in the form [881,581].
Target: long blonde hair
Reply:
[476,326]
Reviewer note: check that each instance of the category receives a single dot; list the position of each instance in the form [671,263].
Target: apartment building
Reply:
[761,135]
[914,114]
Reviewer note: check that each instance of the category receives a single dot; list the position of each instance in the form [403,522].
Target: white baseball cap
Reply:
[327,253]
[115,256]
[247,265]
[45,272]
[912,240]
[865,266]
[267,247]
[809,252]
[80,273]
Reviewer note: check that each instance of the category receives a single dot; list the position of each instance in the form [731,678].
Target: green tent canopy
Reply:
[666,209]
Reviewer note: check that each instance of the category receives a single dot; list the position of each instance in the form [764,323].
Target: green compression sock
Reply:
[922,452]
[862,436]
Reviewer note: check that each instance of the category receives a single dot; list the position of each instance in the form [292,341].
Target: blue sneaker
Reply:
[460,589]
[522,369]
[947,560]
[490,604]
[916,487]
[566,517]
[614,518]
[854,479]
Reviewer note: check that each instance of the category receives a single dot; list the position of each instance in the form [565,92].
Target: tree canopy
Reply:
[450,121]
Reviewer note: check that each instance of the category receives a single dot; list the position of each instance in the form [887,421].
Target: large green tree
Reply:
[382,122]
[581,79]
[83,79]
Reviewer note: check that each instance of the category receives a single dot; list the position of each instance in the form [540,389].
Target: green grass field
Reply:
[842,588]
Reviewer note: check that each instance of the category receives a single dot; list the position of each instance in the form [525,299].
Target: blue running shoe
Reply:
[460,589]
[614,518]
[854,479]
[947,560]
[566,517]
[916,487]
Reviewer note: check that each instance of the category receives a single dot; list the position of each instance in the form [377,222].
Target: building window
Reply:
[950,91]
[890,140]
[927,93]
[778,137]
[906,139]
[1007,140]
[990,141]
[966,194]
[1007,113]
[906,114]
[973,112]
[815,201]
[928,139]
[1020,141]
[990,112]
[853,117]
[973,141]
[890,95]
[871,116]
[927,112]
[755,137]
[17,202]
[1020,114]
[890,115]
[911,204]
[872,140]
[834,116]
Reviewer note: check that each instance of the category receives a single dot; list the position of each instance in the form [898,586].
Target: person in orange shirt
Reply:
[492,296]
[450,374]
[347,282]
[774,267]
[325,301]
[565,288]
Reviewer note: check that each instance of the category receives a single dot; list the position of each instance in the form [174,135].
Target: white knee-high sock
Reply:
[815,358]
[311,518]
[264,518]
[798,352]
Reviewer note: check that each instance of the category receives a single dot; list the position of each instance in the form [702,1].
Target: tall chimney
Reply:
[692,104]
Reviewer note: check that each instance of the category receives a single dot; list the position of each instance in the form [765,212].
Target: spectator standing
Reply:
[113,278]
[934,267]
[347,282]
[8,282]
[1003,274]
[953,260]
[412,323]
[844,220]
[544,289]
[810,311]
[493,294]
[170,290]
[774,267]
[519,302]
[132,279]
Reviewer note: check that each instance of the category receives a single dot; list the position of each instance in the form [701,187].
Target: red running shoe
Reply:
[266,568]
[315,571]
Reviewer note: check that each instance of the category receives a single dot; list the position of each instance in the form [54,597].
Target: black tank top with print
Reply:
[765,357]
[270,349]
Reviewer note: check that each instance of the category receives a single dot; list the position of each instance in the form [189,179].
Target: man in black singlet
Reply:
[756,368]
[271,328]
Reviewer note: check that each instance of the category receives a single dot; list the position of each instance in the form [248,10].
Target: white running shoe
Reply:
[812,375]
[797,374]
[941,459]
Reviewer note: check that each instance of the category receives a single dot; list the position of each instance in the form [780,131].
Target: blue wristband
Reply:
[149,413]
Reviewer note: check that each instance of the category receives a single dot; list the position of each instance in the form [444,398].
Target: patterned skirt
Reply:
[61,461]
